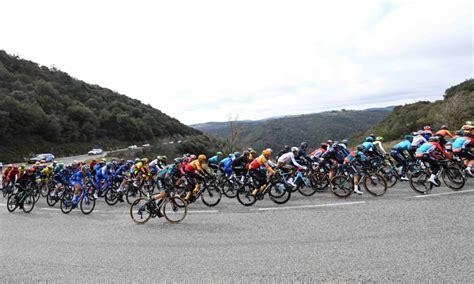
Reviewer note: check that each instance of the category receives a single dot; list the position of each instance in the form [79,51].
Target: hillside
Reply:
[454,110]
[45,110]
[292,130]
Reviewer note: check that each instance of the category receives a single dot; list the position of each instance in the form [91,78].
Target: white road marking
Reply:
[445,193]
[203,211]
[308,206]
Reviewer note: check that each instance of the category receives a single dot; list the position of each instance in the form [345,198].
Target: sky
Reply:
[204,60]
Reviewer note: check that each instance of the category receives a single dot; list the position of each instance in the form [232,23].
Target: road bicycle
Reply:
[24,199]
[277,188]
[452,177]
[342,185]
[86,201]
[172,207]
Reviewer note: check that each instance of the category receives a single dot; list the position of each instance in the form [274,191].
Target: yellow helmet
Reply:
[202,158]
[267,153]
[144,160]
[467,127]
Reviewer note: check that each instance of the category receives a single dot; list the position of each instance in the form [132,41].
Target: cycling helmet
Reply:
[329,142]
[102,163]
[360,147]
[466,127]
[144,160]
[246,153]
[369,139]
[252,151]
[433,139]
[445,127]
[122,162]
[159,158]
[109,165]
[192,157]
[267,153]
[304,145]
[178,160]
[335,144]
[219,153]
[379,138]
[372,135]
[202,158]
[85,168]
[324,146]
[130,162]
[469,123]
[74,164]
[103,160]
[31,170]
[10,166]
[237,154]
[294,149]
[287,148]
[409,138]
[137,160]
[427,128]
[345,141]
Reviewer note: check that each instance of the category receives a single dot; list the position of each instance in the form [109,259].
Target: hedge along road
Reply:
[396,237]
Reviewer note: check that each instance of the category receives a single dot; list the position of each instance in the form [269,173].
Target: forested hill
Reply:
[44,109]
[456,107]
[312,128]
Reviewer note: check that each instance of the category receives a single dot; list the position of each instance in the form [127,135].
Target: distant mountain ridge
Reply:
[312,128]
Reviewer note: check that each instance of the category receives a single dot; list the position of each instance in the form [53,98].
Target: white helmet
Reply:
[294,149]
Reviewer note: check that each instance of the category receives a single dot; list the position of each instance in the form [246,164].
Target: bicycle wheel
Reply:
[174,209]
[211,195]
[341,186]
[66,202]
[111,196]
[279,193]
[453,178]
[319,181]
[230,189]
[305,187]
[12,202]
[375,184]
[389,175]
[419,182]
[87,204]
[244,195]
[139,211]
[36,194]
[28,202]
[133,194]
[51,200]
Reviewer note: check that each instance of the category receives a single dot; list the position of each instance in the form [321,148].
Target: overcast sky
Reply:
[203,60]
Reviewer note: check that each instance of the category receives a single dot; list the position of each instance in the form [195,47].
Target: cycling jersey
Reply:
[427,134]
[429,148]
[460,143]
[356,156]
[378,146]
[214,160]
[78,178]
[261,161]
[287,158]
[405,145]
[193,166]
[226,165]
[122,170]
[418,140]
[369,146]
[316,154]
[443,133]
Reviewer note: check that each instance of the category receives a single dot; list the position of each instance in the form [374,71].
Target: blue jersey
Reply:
[461,143]
[405,145]
[122,170]
[369,146]
[425,148]
[356,156]
[79,177]
[214,160]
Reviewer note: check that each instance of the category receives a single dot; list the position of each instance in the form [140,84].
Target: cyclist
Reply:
[140,170]
[121,175]
[378,146]
[288,163]
[256,170]
[102,175]
[427,153]
[355,157]
[332,158]
[398,153]
[252,153]
[368,145]
[302,154]
[78,181]
[213,161]
[226,164]
[25,180]
[316,154]
[240,164]
[5,174]
[427,132]
[461,147]
[12,175]
[285,150]
[442,134]
[194,174]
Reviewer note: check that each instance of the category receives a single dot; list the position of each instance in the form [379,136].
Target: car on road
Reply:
[42,157]
[95,151]
[131,147]
[146,145]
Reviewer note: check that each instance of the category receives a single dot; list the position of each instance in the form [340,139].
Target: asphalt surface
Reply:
[401,236]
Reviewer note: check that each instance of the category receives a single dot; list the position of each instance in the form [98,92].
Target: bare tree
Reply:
[235,129]
[456,110]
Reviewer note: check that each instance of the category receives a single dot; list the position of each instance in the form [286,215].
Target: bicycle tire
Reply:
[390,176]
[304,189]
[230,189]
[279,193]
[171,206]
[419,182]
[12,202]
[451,173]
[111,196]
[319,181]
[208,193]
[133,194]
[51,200]
[375,180]
[66,202]
[86,201]
[28,200]
[342,186]
[136,206]
[245,197]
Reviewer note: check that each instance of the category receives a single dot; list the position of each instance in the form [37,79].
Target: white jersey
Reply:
[287,158]
[418,141]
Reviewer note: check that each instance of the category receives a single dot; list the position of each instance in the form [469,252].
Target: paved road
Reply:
[401,237]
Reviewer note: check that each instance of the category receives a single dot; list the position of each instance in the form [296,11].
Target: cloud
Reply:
[202,60]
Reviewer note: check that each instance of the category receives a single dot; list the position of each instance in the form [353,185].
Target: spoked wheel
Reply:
[28,203]
[12,202]
[244,195]
[133,194]
[111,196]
[87,204]
[279,193]
[389,175]
[140,211]
[44,192]
[211,195]
[375,184]
[230,189]
[305,186]
[419,182]
[341,186]
[175,209]
[453,178]
[319,181]
[52,199]
[66,202]
[36,194]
